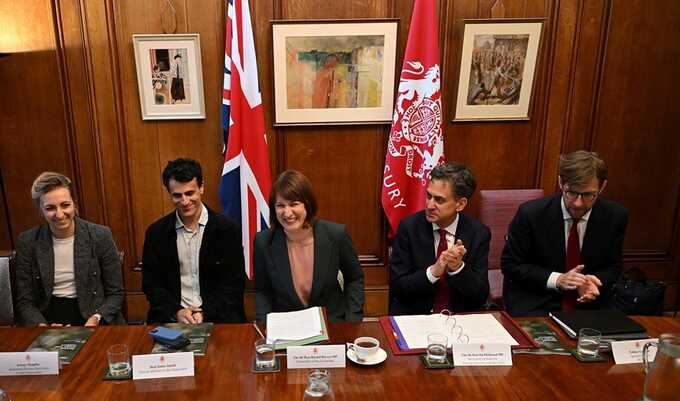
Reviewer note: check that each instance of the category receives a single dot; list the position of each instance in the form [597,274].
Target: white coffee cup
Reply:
[365,347]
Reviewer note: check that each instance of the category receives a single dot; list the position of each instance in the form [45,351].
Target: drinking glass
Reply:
[119,360]
[265,354]
[436,347]
[318,386]
[588,342]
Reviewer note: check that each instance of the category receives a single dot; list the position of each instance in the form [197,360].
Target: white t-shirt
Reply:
[64,275]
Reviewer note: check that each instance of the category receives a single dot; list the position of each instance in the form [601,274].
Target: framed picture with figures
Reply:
[169,76]
[497,69]
[334,72]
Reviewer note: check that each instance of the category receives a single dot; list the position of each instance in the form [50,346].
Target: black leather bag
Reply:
[634,294]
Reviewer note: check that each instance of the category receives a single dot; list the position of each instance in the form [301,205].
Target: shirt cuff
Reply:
[431,276]
[552,280]
[462,265]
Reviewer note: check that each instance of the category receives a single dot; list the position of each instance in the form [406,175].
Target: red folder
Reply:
[523,339]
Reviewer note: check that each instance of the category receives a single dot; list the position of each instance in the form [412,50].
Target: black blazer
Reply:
[96,268]
[536,247]
[333,252]
[411,293]
[221,271]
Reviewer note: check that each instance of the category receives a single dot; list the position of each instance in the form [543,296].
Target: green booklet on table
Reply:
[198,334]
[65,340]
[548,341]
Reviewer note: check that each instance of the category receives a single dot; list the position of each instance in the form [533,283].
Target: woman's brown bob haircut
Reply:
[292,186]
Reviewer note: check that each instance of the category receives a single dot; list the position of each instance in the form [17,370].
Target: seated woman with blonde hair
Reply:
[298,258]
[68,270]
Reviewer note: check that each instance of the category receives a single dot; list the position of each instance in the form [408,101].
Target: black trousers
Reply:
[64,311]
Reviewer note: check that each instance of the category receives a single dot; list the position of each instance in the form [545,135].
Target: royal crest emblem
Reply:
[416,132]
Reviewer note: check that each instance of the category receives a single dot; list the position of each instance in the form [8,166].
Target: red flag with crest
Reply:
[416,142]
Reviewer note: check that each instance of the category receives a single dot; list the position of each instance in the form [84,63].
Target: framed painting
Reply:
[497,69]
[169,76]
[334,72]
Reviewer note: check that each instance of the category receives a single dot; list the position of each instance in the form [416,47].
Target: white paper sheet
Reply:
[290,326]
[480,328]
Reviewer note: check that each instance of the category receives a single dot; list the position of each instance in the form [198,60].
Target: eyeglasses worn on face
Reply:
[586,196]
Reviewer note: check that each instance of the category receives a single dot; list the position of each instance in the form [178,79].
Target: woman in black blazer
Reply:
[68,269]
[298,259]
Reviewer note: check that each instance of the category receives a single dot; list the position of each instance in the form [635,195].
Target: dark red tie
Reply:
[441,295]
[573,259]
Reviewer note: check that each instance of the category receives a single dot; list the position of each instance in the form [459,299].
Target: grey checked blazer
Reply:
[99,281]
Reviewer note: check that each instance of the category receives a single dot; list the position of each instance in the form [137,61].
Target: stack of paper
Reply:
[303,327]
[473,329]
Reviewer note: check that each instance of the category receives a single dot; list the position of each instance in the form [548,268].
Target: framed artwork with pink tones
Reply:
[334,72]
[497,69]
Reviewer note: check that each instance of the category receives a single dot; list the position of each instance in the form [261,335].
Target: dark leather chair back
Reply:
[496,210]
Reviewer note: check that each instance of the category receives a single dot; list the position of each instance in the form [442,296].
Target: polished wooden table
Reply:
[225,373]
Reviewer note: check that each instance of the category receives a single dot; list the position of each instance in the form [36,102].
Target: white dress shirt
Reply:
[450,241]
[580,229]
[188,252]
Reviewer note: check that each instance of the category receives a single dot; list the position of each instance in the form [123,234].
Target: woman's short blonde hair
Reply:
[46,182]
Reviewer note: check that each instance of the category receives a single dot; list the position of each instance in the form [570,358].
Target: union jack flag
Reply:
[244,188]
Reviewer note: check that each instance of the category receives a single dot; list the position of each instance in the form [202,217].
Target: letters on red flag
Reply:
[416,142]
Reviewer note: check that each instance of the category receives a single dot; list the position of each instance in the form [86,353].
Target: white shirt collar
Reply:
[565,213]
[202,220]
[451,229]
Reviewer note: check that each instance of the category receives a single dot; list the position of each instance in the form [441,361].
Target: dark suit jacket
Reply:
[333,252]
[96,265]
[221,271]
[411,293]
[536,247]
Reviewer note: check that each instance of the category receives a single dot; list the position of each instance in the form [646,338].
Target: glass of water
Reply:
[588,342]
[436,347]
[119,360]
[265,354]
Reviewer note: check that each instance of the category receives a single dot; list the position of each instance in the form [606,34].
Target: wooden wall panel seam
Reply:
[601,67]
[120,131]
[95,130]
[66,99]
[572,78]
[547,49]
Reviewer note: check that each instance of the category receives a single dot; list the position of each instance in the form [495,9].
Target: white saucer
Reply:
[379,357]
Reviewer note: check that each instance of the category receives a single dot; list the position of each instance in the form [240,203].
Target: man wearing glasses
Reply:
[564,251]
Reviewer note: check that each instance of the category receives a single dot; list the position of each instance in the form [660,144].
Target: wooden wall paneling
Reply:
[32,113]
[588,58]
[80,112]
[636,124]
[560,91]
[146,190]
[542,83]
[107,130]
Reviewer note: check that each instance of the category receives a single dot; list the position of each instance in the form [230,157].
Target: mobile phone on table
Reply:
[172,338]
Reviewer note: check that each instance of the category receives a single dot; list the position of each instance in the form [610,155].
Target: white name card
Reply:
[29,363]
[631,351]
[482,355]
[315,356]
[154,366]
